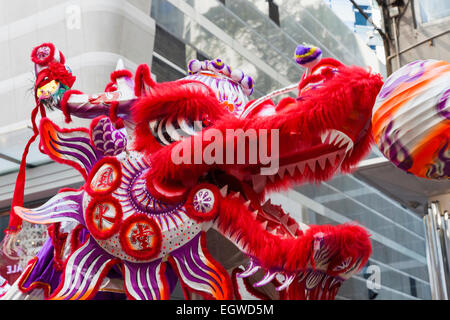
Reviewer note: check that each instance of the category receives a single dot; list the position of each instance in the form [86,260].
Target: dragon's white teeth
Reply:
[291,169]
[338,140]
[344,141]
[324,136]
[247,204]
[301,167]
[254,214]
[224,191]
[236,195]
[333,135]
[311,164]
[268,277]
[322,162]
[281,172]
[349,149]
[332,158]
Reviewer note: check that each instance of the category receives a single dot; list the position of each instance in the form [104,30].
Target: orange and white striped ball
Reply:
[411,119]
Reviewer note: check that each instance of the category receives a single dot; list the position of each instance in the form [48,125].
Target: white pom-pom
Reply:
[226,70]
[194,66]
[247,82]
[237,75]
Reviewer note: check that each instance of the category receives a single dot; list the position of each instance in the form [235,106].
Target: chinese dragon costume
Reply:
[143,218]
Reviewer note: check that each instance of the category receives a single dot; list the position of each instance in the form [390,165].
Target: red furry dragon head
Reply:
[205,158]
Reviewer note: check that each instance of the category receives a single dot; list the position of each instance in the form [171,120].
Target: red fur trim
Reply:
[59,72]
[119,74]
[59,240]
[285,103]
[202,216]
[147,253]
[90,210]
[291,254]
[110,87]
[63,103]
[46,60]
[119,124]
[55,158]
[117,167]
[75,242]
[113,111]
[34,285]
[141,77]
[62,59]
[69,189]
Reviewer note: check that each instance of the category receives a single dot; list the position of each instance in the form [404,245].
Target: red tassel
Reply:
[15,222]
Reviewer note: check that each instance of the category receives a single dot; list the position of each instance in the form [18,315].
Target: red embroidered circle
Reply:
[202,202]
[140,237]
[103,217]
[43,54]
[104,177]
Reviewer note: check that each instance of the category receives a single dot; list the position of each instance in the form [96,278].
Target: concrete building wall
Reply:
[418,39]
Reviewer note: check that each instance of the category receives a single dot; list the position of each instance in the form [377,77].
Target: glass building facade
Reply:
[244,34]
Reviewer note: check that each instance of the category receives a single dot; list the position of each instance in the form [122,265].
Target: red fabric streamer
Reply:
[63,103]
[15,222]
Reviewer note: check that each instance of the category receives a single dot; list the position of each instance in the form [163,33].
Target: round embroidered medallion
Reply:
[105,177]
[140,237]
[103,217]
[202,202]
